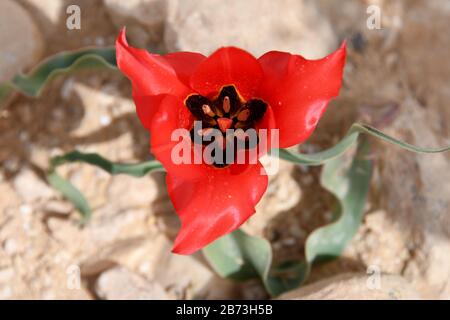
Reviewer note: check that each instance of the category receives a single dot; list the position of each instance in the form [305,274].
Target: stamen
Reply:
[224,124]
[243,115]
[240,125]
[224,112]
[211,122]
[207,110]
[226,104]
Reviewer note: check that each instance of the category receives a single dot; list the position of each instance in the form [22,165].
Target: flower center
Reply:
[224,112]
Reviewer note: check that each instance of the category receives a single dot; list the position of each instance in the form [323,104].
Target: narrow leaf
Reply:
[71,193]
[350,187]
[231,256]
[135,170]
[61,63]
[347,142]
[241,256]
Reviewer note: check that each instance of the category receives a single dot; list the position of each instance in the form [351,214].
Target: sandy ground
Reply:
[396,78]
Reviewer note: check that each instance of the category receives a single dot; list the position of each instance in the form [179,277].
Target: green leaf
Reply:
[135,170]
[237,255]
[61,63]
[241,256]
[71,193]
[347,142]
[350,187]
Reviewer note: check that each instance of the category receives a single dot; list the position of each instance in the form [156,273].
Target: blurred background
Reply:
[397,78]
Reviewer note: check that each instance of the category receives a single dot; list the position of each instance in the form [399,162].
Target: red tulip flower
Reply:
[230,89]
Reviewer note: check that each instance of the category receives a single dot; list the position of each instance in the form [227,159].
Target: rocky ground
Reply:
[396,78]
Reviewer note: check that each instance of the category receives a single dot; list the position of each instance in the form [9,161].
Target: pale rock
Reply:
[25,210]
[6,293]
[381,243]
[30,187]
[121,284]
[57,207]
[402,65]
[127,252]
[105,102]
[416,196]
[283,193]
[424,48]
[355,286]
[47,295]
[103,237]
[22,44]
[110,224]
[144,19]
[6,275]
[10,246]
[255,25]
[138,192]
[8,198]
[49,10]
[185,277]
[190,277]
[409,236]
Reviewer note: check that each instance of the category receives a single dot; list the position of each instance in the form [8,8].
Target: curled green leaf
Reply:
[71,193]
[61,63]
[113,168]
[347,142]
[241,256]
[237,255]
[350,188]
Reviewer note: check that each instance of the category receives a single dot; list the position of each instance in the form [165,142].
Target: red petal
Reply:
[267,123]
[299,90]
[172,115]
[227,66]
[150,73]
[184,64]
[216,204]
[153,75]
[146,107]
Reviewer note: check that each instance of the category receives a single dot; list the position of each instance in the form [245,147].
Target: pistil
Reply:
[224,124]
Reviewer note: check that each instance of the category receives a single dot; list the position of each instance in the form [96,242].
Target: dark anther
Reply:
[257,109]
[197,105]
[226,111]
[233,97]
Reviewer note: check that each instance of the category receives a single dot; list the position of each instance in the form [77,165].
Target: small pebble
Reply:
[25,209]
[10,246]
[105,120]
